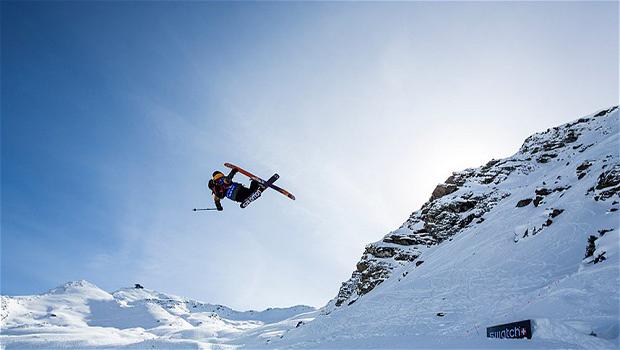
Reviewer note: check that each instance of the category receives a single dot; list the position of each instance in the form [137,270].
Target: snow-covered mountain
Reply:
[533,236]
[79,314]
[544,170]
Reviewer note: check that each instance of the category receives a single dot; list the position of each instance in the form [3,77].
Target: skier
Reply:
[222,186]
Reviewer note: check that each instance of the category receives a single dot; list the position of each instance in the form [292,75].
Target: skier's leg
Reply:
[243,193]
[253,186]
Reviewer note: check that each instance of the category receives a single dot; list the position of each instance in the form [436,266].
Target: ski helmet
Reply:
[217,175]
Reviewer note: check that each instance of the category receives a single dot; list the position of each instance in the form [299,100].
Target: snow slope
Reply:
[533,236]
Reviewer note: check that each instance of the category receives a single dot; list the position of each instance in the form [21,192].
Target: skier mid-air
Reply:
[222,186]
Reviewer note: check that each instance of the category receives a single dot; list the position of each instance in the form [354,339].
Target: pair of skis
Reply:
[263,185]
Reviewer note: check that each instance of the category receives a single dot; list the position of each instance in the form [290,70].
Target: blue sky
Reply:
[114,115]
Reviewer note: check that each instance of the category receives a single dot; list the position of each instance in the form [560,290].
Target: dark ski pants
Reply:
[243,192]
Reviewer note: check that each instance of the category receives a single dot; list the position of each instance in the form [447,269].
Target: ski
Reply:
[263,185]
[259,180]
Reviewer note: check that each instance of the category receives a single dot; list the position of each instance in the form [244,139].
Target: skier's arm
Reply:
[218,205]
[232,174]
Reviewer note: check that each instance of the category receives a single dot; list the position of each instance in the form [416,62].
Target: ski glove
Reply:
[218,205]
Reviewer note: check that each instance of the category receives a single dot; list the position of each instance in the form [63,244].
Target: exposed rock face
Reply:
[442,190]
[608,184]
[466,196]
[582,169]
[524,202]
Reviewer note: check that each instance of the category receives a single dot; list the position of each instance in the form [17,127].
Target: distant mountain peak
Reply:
[131,315]
[73,286]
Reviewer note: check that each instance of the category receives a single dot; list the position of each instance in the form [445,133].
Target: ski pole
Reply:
[200,209]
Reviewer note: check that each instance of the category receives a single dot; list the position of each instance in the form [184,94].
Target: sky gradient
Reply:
[115,114]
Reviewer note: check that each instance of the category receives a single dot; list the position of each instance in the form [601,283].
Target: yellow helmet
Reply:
[217,175]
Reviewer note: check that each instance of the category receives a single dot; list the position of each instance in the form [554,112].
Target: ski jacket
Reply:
[225,187]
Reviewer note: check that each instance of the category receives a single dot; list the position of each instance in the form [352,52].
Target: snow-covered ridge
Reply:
[465,197]
[84,315]
[136,296]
